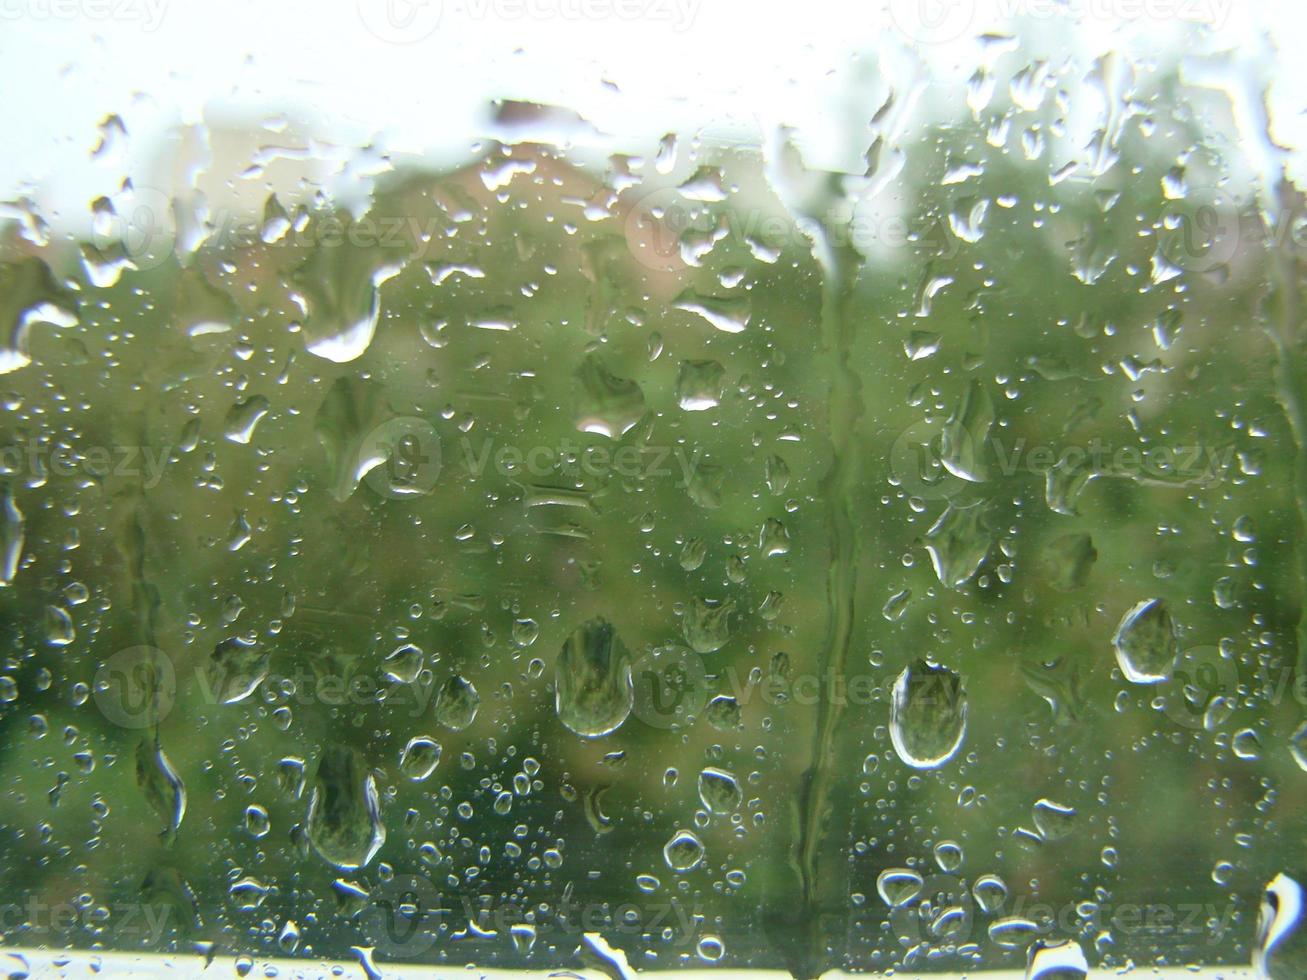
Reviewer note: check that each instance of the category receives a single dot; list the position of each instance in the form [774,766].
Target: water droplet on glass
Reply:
[1146,644]
[707,624]
[236,667]
[11,536]
[928,715]
[593,693]
[699,385]
[457,703]
[244,417]
[990,893]
[948,855]
[957,543]
[419,758]
[898,886]
[607,405]
[1280,950]
[684,852]
[1053,820]
[730,314]
[59,630]
[719,791]
[344,814]
[404,664]
[1056,961]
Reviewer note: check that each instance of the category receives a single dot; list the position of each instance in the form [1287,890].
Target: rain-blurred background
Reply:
[651,485]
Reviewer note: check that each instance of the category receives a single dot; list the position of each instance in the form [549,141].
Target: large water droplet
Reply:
[243,418]
[593,693]
[344,816]
[1056,961]
[683,852]
[957,543]
[699,385]
[990,893]
[236,667]
[11,536]
[338,291]
[719,790]
[608,405]
[898,886]
[163,788]
[58,626]
[1068,560]
[1146,644]
[928,715]
[1053,820]
[964,441]
[420,757]
[404,664]
[730,314]
[1298,746]
[1280,951]
[457,702]
[707,624]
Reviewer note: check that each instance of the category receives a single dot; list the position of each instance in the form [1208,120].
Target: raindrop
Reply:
[457,702]
[707,624]
[1056,961]
[990,893]
[719,791]
[898,886]
[1146,644]
[344,814]
[593,693]
[699,385]
[404,664]
[419,758]
[684,852]
[928,715]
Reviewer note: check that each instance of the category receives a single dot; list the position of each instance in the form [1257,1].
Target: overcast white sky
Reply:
[419,73]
